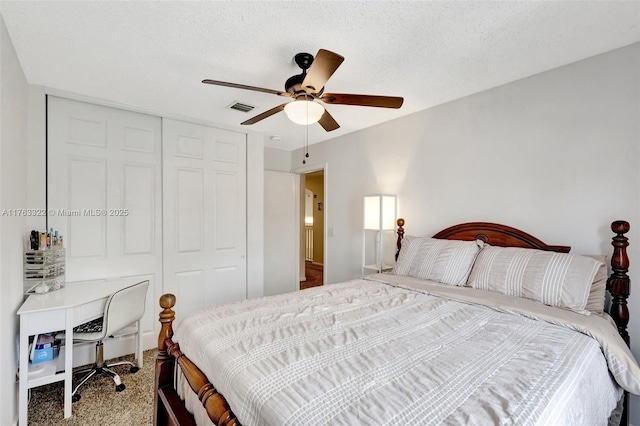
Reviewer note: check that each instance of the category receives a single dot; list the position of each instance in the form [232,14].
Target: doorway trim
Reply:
[324,167]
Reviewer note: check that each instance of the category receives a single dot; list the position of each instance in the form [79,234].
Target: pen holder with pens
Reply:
[44,270]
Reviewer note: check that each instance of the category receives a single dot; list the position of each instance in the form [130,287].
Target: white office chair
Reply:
[123,308]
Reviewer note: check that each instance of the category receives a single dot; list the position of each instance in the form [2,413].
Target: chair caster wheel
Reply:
[75,397]
[120,387]
[134,369]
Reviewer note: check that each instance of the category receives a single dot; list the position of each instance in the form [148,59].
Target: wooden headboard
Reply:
[496,235]
[491,233]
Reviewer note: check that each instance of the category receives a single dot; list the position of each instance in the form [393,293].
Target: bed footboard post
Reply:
[400,231]
[164,362]
[618,283]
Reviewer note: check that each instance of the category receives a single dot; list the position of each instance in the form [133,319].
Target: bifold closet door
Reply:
[204,215]
[104,194]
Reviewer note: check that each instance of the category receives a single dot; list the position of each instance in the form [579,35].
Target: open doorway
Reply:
[312,239]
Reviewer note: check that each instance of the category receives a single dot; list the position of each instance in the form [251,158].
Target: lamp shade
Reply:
[380,212]
[304,112]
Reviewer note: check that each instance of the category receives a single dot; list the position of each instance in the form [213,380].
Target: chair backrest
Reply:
[125,307]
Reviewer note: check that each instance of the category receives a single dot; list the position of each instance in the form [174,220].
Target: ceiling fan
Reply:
[307,87]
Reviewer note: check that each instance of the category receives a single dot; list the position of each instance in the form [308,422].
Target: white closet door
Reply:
[281,232]
[104,194]
[204,209]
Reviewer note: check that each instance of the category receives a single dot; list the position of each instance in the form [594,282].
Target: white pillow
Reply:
[556,279]
[444,261]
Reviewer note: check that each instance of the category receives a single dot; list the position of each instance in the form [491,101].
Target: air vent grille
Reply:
[239,106]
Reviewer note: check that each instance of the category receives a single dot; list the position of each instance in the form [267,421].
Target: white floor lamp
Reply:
[379,215]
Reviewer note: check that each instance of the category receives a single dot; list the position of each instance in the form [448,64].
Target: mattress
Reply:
[391,350]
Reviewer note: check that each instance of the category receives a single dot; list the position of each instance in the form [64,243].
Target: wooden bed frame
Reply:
[169,409]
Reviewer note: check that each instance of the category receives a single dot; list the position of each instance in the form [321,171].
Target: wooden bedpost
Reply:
[168,408]
[618,283]
[164,362]
[400,231]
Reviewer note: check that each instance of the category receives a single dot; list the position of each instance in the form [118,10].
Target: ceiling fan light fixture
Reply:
[304,112]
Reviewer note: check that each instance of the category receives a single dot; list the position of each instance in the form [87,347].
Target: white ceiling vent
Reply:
[239,106]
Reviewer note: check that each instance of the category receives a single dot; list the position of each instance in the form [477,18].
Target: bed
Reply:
[430,344]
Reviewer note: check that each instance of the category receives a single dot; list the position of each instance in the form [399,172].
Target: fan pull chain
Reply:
[306,146]
[306,142]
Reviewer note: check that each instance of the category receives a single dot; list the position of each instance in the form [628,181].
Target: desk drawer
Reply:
[42,322]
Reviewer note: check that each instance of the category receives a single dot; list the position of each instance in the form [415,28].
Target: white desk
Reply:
[62,309]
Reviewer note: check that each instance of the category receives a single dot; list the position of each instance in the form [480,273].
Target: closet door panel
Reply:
[139,202]
[104,194]
[190,286]
[225,293]
[226,207]
[204,213]
[189,209]
[87,194]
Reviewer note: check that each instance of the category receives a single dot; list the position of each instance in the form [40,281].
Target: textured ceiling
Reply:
[154,55]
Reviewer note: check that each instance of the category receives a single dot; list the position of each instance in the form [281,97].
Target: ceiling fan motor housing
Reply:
[304,60]
[293,85]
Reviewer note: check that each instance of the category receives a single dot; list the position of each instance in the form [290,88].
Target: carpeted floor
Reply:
[313,273]
[100,404]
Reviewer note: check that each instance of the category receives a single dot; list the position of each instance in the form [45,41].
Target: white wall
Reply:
[13,183]
[277,160]
[556,155]
[37,155]
[255,215]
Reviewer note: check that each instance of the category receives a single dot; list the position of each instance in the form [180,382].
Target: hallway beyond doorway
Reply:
[313,273]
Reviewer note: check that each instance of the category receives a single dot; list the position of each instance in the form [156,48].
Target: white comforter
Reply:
[366,352]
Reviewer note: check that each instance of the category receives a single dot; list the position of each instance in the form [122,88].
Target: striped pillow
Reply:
[444,261]
[595,302]
[555,279]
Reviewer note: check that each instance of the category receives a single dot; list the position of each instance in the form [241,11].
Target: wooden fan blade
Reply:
[323,66]
[362,100]
[265,114]
[244,86]
[328,122]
